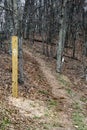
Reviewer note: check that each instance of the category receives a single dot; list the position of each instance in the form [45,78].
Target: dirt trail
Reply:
[57,90]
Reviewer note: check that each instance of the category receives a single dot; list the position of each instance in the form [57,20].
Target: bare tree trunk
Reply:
[17,31]
[62,36]
[20,53]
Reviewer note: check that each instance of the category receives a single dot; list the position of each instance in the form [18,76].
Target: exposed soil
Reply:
[46,99]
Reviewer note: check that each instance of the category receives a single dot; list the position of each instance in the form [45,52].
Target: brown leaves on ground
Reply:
[37,87]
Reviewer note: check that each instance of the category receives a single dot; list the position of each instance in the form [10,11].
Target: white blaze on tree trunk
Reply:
[62,35]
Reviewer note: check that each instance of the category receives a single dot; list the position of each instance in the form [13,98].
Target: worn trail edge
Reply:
[57,89]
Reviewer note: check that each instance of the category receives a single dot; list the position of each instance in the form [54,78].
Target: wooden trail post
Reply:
[15,66]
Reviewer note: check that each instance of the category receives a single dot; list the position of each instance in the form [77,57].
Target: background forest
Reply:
[52,57]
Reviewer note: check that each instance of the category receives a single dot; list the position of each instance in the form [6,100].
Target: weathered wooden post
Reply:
[15,66]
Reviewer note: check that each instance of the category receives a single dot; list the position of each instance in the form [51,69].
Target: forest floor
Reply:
[47,100]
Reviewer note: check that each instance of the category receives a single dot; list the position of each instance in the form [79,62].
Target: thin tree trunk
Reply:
[20,52]
[62,36]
